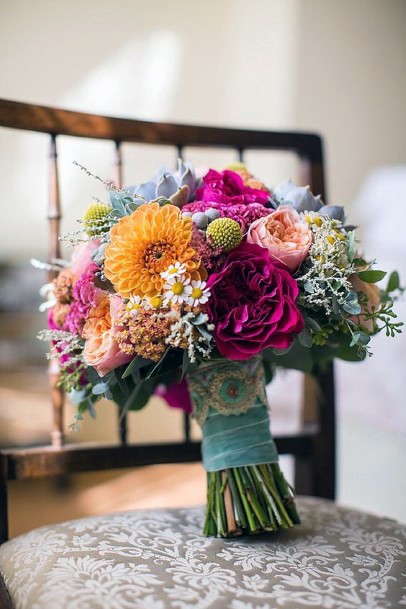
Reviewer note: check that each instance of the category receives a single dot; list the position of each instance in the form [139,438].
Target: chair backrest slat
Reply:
[28,117]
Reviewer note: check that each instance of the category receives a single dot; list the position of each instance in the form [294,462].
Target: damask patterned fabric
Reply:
[158,559]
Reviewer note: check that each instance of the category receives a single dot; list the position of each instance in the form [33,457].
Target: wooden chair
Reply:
[313,448]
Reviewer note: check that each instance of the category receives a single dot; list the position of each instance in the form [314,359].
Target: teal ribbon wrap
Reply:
[230,404]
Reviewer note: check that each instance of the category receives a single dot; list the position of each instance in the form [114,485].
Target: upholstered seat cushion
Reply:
[158,559]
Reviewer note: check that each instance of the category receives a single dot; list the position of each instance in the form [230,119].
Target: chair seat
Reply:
[158,559]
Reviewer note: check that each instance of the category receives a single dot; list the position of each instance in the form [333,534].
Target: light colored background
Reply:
[332,66]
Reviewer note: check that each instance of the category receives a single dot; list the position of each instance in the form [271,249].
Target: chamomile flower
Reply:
[174,270]
[200,293]
[133,304]
[155,302]
[177,290]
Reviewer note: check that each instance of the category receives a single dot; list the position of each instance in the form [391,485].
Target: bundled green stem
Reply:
[248,500]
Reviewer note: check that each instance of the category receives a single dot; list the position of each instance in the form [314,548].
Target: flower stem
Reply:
[248,500]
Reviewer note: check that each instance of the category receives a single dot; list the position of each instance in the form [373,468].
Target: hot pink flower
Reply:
[228,187]
[176,395]
[84,298]
[284,234]
[82,256]
[253,304]
[243,213]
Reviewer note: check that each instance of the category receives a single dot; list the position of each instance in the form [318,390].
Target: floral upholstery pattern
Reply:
[158,559]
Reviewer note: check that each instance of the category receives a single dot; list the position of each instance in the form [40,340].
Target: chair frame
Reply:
[313,448]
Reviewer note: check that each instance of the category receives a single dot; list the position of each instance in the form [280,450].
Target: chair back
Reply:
[313,448]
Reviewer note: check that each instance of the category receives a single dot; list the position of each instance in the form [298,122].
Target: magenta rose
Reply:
[228,187]
[253,304]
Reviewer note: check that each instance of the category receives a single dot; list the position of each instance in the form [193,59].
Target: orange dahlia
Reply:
[144,244]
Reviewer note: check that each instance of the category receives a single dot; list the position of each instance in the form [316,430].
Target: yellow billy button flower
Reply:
[225,233]
[95,220]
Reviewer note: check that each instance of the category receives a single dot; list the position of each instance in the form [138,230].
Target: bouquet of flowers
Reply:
[198,289]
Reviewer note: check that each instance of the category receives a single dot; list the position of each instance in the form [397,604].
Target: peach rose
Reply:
[372,293]
[284,234]
[101,350]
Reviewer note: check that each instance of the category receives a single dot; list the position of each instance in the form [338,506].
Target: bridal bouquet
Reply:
[198,289]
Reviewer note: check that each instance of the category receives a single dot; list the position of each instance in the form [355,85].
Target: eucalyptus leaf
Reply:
[393,282]
[136,365]
[140,395]
[335,305]
[185,364]
[100,388]
[360,338]
[201,318]
[297,358]
[122,383]
[312,323]
[305,338]
[205,333]
[158,364]
[352,307]
[371,276]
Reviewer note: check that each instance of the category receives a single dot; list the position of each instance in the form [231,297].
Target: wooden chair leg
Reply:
[3,499]
[58,399]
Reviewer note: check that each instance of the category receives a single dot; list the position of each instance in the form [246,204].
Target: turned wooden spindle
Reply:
[54,252]
[122,419]
[118,166]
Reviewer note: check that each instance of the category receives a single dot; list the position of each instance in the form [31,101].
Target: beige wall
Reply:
[333,66]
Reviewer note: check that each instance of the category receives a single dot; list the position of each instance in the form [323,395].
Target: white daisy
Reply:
[133,305]
[200,293]
[174,270]
[177,290]
[155,302]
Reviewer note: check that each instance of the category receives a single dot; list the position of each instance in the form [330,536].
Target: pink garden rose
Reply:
[82,256]
[101,350]
[253,304]
[284,234]
[228,187]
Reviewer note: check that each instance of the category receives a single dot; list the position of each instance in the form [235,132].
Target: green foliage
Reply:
[371,276]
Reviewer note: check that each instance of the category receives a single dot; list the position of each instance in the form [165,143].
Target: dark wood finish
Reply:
[118,166]
[314,450]
[29,117]
[3,498]
[54,207]
[46,461]
[54,252]
[324,468]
